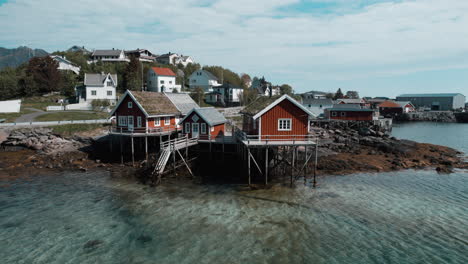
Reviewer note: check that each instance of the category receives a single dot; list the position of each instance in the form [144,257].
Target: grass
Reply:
[11,117]
[40,102]
[63,116]
[72,129]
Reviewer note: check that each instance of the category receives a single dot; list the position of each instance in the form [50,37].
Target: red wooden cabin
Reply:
[204,123]
[284,119]
[145,112]
[353,114]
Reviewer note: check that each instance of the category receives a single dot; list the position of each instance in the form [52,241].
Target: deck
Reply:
[275,140]
[143,132]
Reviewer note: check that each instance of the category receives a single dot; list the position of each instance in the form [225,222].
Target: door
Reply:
[195,129]
[130,123]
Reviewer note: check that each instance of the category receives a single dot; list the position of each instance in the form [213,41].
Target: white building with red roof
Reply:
[161,80]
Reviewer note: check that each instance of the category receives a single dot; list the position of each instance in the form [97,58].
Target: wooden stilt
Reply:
[266,166]
[292,164]
[248,164]
[174,158]
[121,151]
[305,167]
[133,153]
[146,148]
[315,165]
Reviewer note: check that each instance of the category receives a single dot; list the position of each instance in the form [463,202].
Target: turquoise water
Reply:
[398,217]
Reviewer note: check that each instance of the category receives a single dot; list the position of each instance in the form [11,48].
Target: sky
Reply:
[376,47]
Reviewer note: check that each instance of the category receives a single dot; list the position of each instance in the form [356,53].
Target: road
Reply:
[31,116]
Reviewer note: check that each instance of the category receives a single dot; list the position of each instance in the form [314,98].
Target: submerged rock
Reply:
[92,244]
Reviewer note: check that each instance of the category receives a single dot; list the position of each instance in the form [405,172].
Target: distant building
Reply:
[317,106]
[184,60]
[350,114]
[79,49]
[359,101]
[113,55]
[161,80]
[97,86]
[141,54]
[314,95]
[174,59]
[65,65]
[407,106]
[203,79]
[225,95]
[390,109]
[204,123]
[264,88]
[435,102]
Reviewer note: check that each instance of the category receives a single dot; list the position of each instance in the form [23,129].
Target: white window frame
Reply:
[93,92]
[203,128]
[167,120]
[123,121]
[334,113]
[157,121]
[109,93]
[284,124]
[187,127]
[130,105]
[139,121]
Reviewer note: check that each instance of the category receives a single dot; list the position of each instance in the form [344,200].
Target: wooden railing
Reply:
[144,130]
[242,136]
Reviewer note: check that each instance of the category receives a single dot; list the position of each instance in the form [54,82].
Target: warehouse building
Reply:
[435,102]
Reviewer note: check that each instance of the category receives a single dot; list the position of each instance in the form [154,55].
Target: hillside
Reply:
[18,56]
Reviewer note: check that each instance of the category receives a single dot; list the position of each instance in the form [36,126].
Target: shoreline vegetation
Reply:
[26,152]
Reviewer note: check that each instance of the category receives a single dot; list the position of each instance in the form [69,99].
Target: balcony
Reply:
[143,131]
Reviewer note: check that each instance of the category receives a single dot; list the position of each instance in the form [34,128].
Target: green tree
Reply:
[338,94]
[45,74]
[68,83]
[198,95]
[286,89]
[248,96]
[8,84]
[133,75]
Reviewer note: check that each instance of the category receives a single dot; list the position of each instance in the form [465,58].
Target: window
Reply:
[139,121]
[203,128]
[161,82]
[109,83]
[343,113]
[122,121]
[194,81]
[284,124]
[334,113]
[109,93]
[93,92]
[187,128]
[130,104]
[167,120]
[157,121]
[170,82]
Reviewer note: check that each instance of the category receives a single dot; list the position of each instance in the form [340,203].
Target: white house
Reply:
[97,86]
[264,88]
[113,55]
[65,65]
[317,106]
[203,79]
[161,80]
[184,60]
[226,95]
[141,54]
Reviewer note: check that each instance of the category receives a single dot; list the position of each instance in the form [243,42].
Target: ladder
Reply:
[162,161]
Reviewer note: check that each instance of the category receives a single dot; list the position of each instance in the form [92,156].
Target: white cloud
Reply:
[382,39]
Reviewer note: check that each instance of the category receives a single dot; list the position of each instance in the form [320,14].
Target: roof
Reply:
[431,95]
[163,71]
[351,101]
[346,106]
[112,52]
[167,55]
[210,75]
[227,86]
[404,103]
[350,109]
[390,104]
[209,114]
[60,58]
[97,79]
[260,103]
[276,102]
[311,101]
[183,102]
[151,103]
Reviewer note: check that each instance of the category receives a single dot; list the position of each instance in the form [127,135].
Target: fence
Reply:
[55,123]
[55,108]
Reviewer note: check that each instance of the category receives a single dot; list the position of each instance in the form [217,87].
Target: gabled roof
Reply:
[210,75]
[211,116]
[347,106]
[351,101]
[404,103]
[62,59]
[151,103]
[183,102]
[308,101]
[111,52]
[97,79]
[390,104]
[279,100]
[431,95]
[163,71]
[138,51]
[350,109]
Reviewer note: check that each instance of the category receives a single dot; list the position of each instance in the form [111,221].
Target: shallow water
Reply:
[397,217]
[405,217]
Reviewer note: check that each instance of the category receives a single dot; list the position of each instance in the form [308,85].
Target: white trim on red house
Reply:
[199,115]
[279,100]
[134,99]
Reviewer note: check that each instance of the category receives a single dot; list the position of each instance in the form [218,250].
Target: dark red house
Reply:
[276,118]
[353,114]
[204,123]
[145,112]
[390,109]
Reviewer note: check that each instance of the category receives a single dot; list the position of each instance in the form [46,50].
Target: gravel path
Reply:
[31,116]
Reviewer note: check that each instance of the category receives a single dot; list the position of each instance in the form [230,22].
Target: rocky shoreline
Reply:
[341,152]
